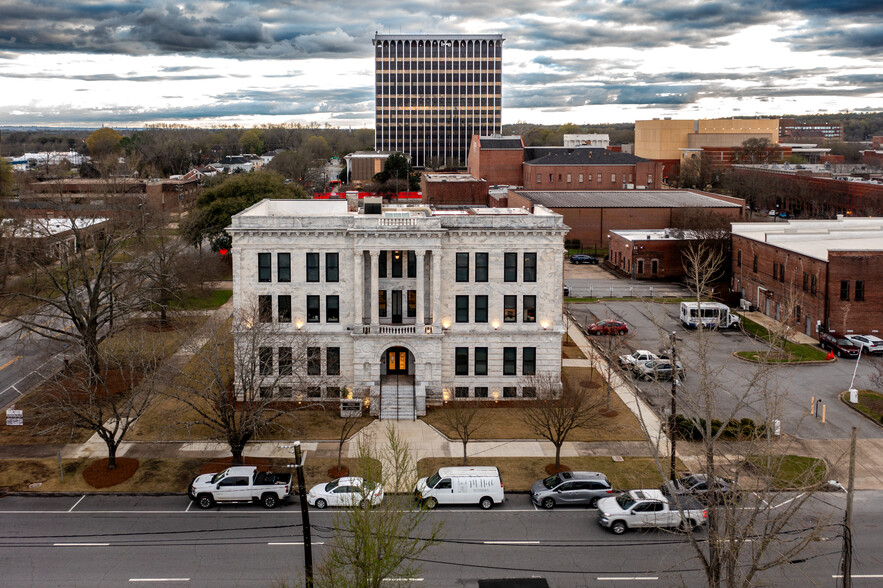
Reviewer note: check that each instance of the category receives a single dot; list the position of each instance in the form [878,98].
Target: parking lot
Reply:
[792,387]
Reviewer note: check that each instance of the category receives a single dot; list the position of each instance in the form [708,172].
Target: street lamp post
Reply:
[674,405]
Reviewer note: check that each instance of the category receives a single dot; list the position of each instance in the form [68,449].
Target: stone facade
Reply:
[410,285]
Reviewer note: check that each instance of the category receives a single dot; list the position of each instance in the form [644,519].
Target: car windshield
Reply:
[217,477]
[332,485]
[625,501]
[845,343]
[552,481]
[432,480]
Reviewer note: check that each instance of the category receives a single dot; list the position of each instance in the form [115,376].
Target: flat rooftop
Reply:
[655,235]
[451,178]
[339,208]
[624,199]
[816,238]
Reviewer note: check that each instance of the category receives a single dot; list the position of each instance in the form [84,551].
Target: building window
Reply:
[589,179]
[332,361]
[510,308]
[754,264]
[412,264]
[805,281]
[462,309]
[599,178]
[265,308]
[844,289]
[529,302]
[654,266]
[285,361]
[481,267]
[782,272]
[481,309]
[530,267]
[334,392]
[284,303]
[775,270]
[612,178]
[314,361]
[481,391]
[314,392]
[283,267]
[510,267]
[381,303]
[332,267]
[539,178]
[529,361]
[265,270]
[461,361]
[332,309]
[797,313]
[381,265]
[580,178]
[510,392]
[265,359]
[640,266]
[462,267]
[859,290]
[312,309]
[813,283]
[739,258]
[266,392]
[397,264]
[568,178]
[649,179]
[481,361]
[412,303]
[461,392]
[551,178]
[509,354]
[312,267]
[528,392]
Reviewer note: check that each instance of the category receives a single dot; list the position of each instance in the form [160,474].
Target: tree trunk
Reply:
[237,453]
[111,455]
[557,455]
[464,452]
[339,452]
[714,558]
[162,314]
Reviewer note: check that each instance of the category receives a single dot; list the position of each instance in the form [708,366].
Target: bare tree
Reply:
[348,423]
[465,419]
[559,409]
[164,268]
[372,543]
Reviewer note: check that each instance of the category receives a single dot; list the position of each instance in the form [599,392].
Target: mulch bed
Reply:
[218,465]
[551,469]
[340,472]
[97,475]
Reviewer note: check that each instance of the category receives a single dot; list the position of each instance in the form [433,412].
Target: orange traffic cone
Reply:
[830,354]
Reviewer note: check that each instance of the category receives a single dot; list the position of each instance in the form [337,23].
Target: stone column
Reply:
[421,288]
[372,295]
[359,287]
[436,286]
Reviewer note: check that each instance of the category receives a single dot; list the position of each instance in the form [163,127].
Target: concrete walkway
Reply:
[775,326]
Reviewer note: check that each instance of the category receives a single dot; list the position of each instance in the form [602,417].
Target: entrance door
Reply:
[397,306]
[397,361]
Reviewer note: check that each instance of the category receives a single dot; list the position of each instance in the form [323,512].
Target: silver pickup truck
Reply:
[637,509]
[240,484]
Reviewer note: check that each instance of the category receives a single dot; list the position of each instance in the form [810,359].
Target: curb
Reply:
[785,363]
[842,398]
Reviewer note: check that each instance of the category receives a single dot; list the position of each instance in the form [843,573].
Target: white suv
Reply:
[867,343]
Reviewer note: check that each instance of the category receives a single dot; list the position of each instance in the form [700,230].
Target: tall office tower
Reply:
[433,92]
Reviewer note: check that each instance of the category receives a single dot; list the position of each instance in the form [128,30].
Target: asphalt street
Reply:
[25,360]
[125,540]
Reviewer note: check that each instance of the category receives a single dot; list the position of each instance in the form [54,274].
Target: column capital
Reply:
[374,253]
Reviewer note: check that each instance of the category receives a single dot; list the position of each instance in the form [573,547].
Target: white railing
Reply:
[397,222]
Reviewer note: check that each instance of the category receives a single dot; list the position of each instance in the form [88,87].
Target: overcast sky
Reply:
[130,62]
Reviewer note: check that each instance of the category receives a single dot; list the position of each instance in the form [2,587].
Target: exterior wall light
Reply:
[544,324]
[495,325]
[299,325]
[446,325]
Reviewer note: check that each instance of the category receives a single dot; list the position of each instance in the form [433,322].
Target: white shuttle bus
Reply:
[712,315]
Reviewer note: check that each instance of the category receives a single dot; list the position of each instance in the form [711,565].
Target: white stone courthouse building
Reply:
[407,305]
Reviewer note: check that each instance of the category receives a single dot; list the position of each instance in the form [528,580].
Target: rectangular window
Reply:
[528,392]
[332,361]
[461,361]
[412,264]
[481,267]
[312,267]
[481,391]
[599,178]
[612,178]
[312,309]
[510,308]
[529,302]
[314,361]
[283,267]
[332,267]
[859,290]
[412,303]
[510,392]
[580,178]
[739,258]
[462,267]
[461,392]
[775,270]
[797,313]
[551,178]
[529,361]
[481,309]
[813,283]
[381,303]
[285,361]
[381,271]
[265,356]
[539,178]
[397,264]
[481,361]
[568,178]
[649,179]
[509,354]
[782,272]
[844,289]
[462,309]
[266,391]
[284,303]
[332,309]
[510,267]
[530,267]
[754,264]
[265,309]
[265,270]
[805,282]
[314,392]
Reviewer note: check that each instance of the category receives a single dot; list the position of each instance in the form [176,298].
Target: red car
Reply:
[608,327]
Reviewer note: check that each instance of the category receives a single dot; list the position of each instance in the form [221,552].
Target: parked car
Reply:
[461,485]
[867,343]
[841,346]
[659,369]
[240,484]
[608,327]
[632,360]
[566,290]
[348,491]
[697,485]
[580,258]
[637,509]
[571,488]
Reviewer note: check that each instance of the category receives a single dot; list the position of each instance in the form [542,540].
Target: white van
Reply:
[712,315]
[461,485]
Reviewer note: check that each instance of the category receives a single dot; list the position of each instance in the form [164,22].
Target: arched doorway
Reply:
[397,387]
[396,361]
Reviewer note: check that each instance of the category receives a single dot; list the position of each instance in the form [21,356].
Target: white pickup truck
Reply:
[638,509]
[240,484]
[632,360]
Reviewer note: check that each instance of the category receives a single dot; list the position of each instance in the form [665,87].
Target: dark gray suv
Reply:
[571,488]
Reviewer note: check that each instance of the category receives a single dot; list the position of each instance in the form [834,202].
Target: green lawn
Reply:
[790,471]
[790,352]
[869,403]
[214,299]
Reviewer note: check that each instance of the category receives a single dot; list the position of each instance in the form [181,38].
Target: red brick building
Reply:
[498,160]
[591,215]
[449,189]
[815,274]
[651,254]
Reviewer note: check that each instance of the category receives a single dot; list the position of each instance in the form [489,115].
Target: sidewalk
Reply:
[773,326]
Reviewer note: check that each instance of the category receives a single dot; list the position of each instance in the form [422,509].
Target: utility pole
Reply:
[846,567]
[304,512]
[674,405]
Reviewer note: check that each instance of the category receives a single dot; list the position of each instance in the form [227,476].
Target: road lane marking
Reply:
[78,502]
[188,506]
[789,500]
[295,543]
[159,579]
[81,544]
[511,542]
[626,578]
[858,575]
[9,363]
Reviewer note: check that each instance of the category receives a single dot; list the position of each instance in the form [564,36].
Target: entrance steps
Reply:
[397,398]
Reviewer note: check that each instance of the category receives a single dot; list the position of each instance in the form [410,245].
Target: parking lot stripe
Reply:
[159,579]
[511,542]
[80,544]
[78,502]
[188,507]
[858,575]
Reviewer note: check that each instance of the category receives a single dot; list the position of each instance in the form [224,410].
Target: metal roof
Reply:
[624,199]
[578,156]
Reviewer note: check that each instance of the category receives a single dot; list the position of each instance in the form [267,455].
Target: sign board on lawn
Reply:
[14,417]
